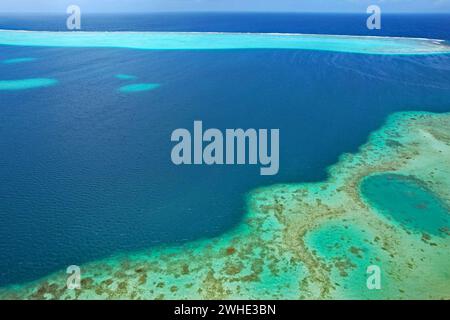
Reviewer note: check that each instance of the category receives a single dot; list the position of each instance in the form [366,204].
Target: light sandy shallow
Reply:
[225,41]
[298,241]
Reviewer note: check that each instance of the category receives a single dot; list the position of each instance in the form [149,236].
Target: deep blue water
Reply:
[412,25]
[85,170]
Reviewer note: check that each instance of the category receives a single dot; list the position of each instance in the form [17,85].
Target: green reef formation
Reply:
[386,205]
[225,41]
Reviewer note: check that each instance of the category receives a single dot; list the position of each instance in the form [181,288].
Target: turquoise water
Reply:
[408,202]
[18,60]
[215,41]
[24,84]
[125,77]
[346,249]
[138,87]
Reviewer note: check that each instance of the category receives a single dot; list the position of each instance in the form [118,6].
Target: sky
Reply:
[109,6]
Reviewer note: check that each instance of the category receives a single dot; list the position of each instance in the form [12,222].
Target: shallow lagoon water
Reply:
[408,202]
[346,247]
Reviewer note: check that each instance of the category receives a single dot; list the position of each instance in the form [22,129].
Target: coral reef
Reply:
[301,241]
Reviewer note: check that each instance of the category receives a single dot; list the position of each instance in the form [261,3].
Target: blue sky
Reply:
[225,5]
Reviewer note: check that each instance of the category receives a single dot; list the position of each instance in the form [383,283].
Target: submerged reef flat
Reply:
[18,60]
[24,84]
[122,76]
[138,87]
[224,41]
[308,240]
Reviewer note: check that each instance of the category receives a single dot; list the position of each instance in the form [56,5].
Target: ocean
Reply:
[85,168]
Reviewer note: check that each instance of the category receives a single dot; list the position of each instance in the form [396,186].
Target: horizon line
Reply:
[223,12]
